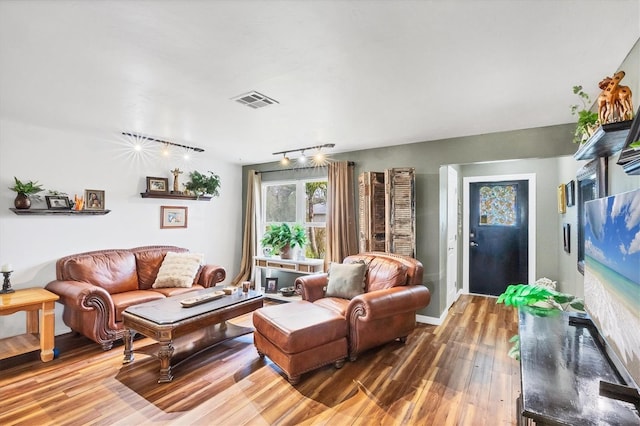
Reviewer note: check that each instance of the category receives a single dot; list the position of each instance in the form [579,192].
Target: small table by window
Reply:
[303,267]
[40,328]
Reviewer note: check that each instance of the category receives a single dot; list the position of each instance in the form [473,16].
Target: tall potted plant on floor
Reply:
[281,238]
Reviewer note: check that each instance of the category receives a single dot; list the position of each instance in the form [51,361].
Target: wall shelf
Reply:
[174,196]
[606,141]
[42,212]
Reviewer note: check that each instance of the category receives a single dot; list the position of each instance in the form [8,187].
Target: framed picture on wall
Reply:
[570,193]
[173,217]
[93,199]
[566,237]
[271,285]
[561,201]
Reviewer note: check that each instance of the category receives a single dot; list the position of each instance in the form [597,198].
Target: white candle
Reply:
[7,267]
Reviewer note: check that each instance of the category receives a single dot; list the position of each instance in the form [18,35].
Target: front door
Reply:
[498,235]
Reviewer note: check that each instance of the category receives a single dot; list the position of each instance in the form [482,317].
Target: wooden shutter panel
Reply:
[400,209]
[371,202]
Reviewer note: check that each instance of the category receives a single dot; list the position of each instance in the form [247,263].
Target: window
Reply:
[298,201]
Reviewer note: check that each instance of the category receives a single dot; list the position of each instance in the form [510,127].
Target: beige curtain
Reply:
[251,227]
[341,216]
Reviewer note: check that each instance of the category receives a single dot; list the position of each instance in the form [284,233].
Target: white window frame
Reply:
[300,203]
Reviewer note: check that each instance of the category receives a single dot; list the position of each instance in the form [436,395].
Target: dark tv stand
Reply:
[562,364]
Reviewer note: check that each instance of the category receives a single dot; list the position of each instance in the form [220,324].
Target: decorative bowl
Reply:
[288,291]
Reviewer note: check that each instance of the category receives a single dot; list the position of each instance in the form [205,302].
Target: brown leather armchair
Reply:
[386,310]
[96,287]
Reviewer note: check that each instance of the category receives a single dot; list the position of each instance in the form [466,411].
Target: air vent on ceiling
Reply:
[255,100]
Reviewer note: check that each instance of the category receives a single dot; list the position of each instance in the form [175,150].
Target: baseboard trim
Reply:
[424,319]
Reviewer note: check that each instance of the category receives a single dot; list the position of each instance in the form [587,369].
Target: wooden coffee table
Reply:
[182,332]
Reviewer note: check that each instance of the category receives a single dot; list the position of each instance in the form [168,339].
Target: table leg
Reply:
[33,324]
[165,353]
[128,345]
[47,323]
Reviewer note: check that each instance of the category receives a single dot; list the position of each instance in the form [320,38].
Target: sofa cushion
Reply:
[113,270]
[178,270]
[148,261]
[346,280]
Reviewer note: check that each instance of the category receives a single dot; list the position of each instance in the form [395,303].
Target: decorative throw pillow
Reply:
[346,280]
[178,269]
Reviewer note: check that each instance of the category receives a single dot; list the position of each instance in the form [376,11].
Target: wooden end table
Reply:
[40,331]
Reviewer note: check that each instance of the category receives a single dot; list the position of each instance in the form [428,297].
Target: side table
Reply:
[40,330]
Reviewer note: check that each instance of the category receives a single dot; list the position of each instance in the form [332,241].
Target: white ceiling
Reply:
[359,74]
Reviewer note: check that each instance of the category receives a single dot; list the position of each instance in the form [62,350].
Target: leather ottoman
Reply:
[300,337]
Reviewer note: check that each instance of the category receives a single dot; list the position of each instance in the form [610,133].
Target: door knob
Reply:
[473,244]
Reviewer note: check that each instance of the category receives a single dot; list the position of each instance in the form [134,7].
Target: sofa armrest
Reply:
[82,296]
[211,275]
[312,287]
[388,302]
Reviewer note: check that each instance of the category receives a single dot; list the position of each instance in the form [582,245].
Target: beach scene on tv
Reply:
[612,273]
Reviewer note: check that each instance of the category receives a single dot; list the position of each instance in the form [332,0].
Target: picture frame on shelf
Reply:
[94,199]
[561,199]
[173,217]
[57,202]
[566,237]
[570,193]
[271,285]
[157,185]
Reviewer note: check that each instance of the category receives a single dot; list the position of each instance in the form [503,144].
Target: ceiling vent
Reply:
[255,100]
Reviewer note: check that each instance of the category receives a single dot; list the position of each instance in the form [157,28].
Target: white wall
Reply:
[71,163]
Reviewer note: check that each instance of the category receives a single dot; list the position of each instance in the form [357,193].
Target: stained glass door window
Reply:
[498,205]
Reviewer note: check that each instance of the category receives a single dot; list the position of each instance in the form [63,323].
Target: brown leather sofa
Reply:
[96,287]
[386,311]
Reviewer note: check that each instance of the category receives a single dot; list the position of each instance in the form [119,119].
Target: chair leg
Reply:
[402,339]
[339,363]
[294,380]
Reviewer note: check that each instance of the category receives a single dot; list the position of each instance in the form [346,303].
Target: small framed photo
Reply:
[93,199]
[271,285]
[157,184]
[570,192]
[173,217]
[57,202]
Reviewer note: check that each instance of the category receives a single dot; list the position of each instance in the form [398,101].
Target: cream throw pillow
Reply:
[346,280]
[178,269]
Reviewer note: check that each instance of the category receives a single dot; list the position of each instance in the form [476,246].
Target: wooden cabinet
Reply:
[387,219]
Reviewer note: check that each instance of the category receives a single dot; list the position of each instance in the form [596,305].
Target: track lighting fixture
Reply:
[319,158]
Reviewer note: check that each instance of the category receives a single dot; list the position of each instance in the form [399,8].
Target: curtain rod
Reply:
[349,163]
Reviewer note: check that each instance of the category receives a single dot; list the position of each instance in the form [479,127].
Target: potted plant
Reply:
[281,238]
[201,184]
[25,190]
[587,120]
[540,299]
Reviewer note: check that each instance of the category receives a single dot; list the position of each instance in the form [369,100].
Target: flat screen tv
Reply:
[612,275]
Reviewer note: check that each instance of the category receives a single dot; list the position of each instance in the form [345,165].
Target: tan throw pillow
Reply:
[346,280]
[178,269]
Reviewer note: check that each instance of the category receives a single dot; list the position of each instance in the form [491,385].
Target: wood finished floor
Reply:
[454,374]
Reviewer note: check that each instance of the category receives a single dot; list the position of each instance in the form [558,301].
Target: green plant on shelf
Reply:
[587,120]
[29,188]
[201,184]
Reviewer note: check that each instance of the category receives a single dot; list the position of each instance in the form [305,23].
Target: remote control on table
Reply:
[193,301]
